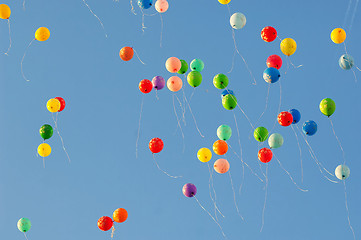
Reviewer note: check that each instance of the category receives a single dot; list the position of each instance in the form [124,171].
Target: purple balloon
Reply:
[189,190]
[158,82]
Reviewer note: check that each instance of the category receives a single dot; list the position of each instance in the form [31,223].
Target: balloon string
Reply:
[279,105]
[347,12]
[112,234]
[294,66]
[163,170]
[156,94]
[358,68]
[101,23]
[138,57]
[344,45]
[161,29]
[190,98]
[353,16]
[265,197]
[7,53]
[61,138]
[279,38]
[140,117]
[234,196]
[24,5]
[178,122]
[25,236]
[182,108]
[211,217]
[22,60]
[348,213]
[266,105]
[184,103]
[194,119]
[234,55]
[299,149]
[339,142]
[354,74]
[214,200]
[131,4]
[143,26]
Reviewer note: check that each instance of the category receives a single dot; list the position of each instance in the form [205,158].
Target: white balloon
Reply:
[342,172]
[238,20]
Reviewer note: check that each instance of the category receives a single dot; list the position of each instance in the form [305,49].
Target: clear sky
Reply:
[100,122]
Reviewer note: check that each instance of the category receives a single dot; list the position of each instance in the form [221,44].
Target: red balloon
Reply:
[265,155]
[268,34]
[285,119]
[145,86]
[62,103]
[105,223]
[156,145]
[274,61]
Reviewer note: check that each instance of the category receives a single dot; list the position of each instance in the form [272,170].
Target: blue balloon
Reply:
[296,115]
[145,4]
[271,75]
[309,127]
[226,92]
[346,62]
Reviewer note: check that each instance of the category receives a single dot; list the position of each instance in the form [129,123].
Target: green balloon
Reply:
[327,106]
[260,134]
[275,140]
[24,224]
[184,67]
[194,78]
[229,101]
[46,131]
[224,132]
[197,65]
[220,81]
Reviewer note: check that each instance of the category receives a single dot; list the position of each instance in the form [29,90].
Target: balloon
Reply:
[271,75]
[338,35]
[184,67]
[145,86]
[158,82]
[265,155]
[46,131]
[220,147]
[288,46]
[5,11]
[156,145]
[105,223]
[309,127]
[260,134]
[342,172]
[173,64]
[226,92]
[224,1]
[204,154]
[221,166]
[229,101]
[327,106]
[285,118]
[189,190]
[126,53]
[346,62]
[197,65]
[275,140]
[42,34]
[220,81]
[44,150]
[24,224]
[274,61]
[268,34]
[120,215]
[161,6]
[237,20]
[194,78]
[53,105]
[145,4]
[174,84]
[62,103]
[224,132]
[296,115]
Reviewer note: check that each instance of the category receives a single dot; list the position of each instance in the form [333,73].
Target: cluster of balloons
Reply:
[105,223]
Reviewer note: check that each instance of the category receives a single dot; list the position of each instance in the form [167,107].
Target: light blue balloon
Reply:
[275,140]
[227,91]
[342,172]
[238,20]
[224,132]
[309,127]
[346,62]
[271,75]
[197,65]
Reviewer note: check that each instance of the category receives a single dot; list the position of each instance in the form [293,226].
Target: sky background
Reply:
[100,122]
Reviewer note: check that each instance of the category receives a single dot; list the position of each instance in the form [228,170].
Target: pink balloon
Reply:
[161,6]
[174,84]
[274,61]
[221,166]
[173,64]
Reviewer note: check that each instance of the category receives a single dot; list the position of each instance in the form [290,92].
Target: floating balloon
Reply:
[274,61]
[346,62]
[46,131]
[296,115]
[268,34]
[221,166]
[271,75]
[342,172]
[62,103]
[24,225]
[126,53]
[174,84]
[285,119]
[189,190]
[224,1]
[229,102]
[265,155]
[275,140]
[224,132]
[5,11]
[226,92]
[194,78]
[260,134]
[105,223]
[145,86]
[120,215]
[145,4]
[42,34]
[220,147]
[184,67]
[327,106]
[53,105]
[161,6]
[237,20]
[220,81]
[338,35]
[288,46]
[158,82]
[197,65]
[309,127]
[173,64]
[156,145]
[204,154]
[44,150]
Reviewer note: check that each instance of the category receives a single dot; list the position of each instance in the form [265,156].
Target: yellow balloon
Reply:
[42,34]
[338,35]
[5,11]
[288,46]
[204,154]
[44,150]
[53,105]
[224,1]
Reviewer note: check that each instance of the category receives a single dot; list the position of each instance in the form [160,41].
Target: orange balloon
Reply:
[174,84]
[220,147]
[126,53]
[120,215]
[221,166]
[173,64]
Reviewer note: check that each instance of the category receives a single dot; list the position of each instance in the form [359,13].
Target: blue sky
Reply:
[100,122]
